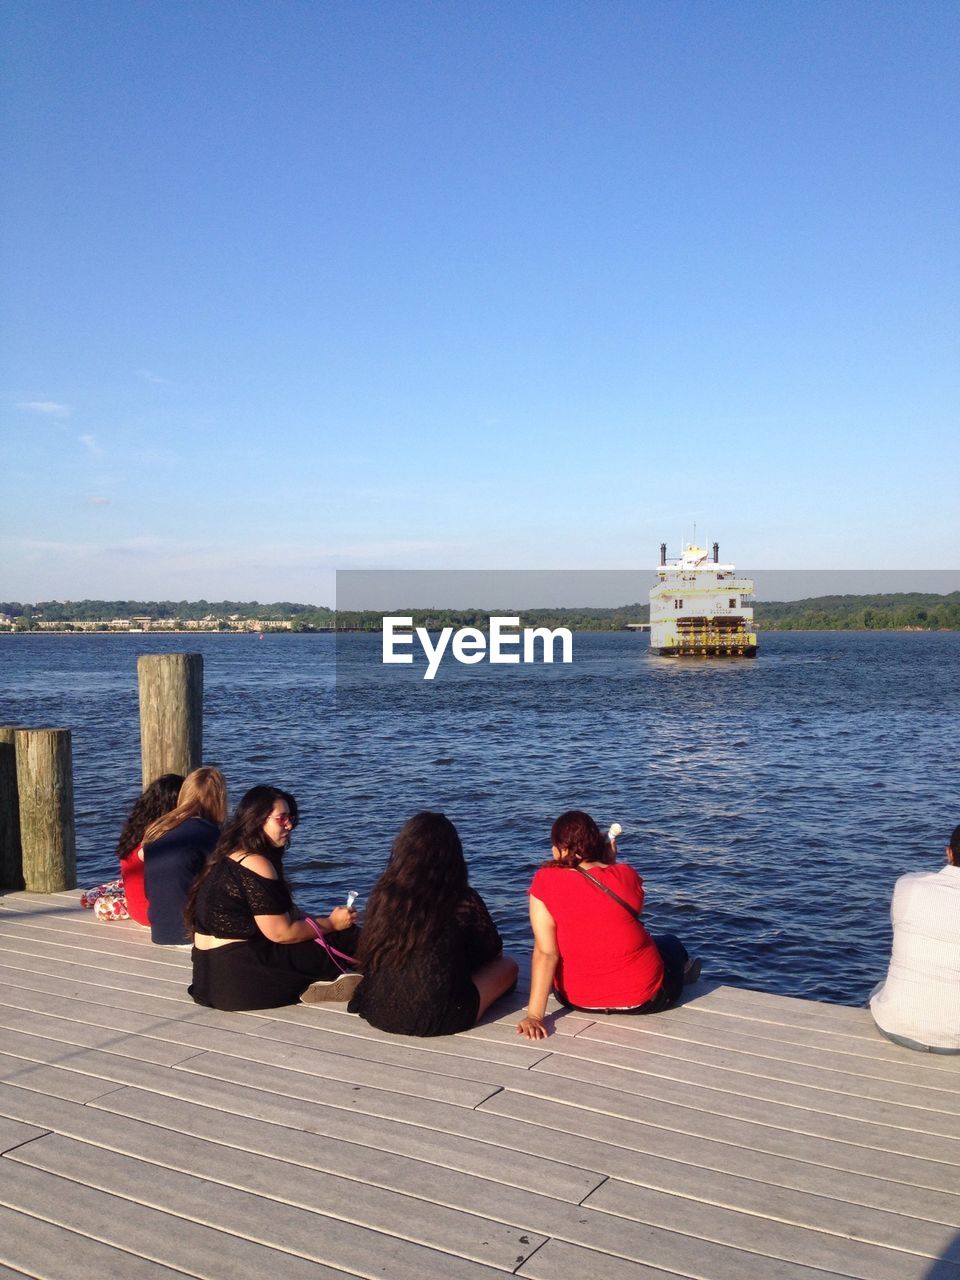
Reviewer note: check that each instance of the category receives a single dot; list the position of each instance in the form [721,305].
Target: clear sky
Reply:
[298,286]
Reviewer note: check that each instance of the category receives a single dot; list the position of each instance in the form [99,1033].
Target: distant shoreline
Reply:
[891,611]
[355,631]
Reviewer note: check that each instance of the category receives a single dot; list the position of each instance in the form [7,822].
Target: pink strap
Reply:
[332,952]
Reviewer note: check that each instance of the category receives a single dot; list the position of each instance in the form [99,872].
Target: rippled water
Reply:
[769,805]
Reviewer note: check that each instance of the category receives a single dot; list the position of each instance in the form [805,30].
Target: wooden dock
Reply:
[742,1136]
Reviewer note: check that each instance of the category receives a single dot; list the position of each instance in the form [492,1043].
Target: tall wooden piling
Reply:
[45,794]
[11,854]
[171,713]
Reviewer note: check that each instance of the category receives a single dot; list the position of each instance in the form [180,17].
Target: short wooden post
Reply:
[45,792]
[171,713]
[11,855]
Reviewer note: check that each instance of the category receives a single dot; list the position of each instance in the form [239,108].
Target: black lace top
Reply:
[432,993]
[232,895]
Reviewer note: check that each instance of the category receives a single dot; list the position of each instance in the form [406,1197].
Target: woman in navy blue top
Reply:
[175,851]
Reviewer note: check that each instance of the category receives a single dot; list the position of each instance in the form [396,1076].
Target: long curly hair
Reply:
[579,839]
[203,795]
[159,798]
[414,902]
[244,831]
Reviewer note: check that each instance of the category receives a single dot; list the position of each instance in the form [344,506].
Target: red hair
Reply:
[578,838]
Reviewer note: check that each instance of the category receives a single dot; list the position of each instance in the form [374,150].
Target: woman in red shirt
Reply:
[590,947]
[158,799]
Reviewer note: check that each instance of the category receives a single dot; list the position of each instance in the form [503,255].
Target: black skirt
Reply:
[259,974]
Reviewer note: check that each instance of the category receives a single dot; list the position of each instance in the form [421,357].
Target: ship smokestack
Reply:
[663,553]
[716,553]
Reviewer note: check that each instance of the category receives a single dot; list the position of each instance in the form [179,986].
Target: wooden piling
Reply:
[11,854]
[45,793]
[171,713]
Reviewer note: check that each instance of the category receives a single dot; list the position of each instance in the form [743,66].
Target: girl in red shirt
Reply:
[590,947]
[157,801]
[126,898]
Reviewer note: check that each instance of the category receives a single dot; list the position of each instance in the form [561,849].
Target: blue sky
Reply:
[292,287]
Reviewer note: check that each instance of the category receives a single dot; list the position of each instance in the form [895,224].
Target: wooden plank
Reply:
[231,1209]
[77,935]
[659,1156]
[480,1195]
[734,1126]
[803,1066]
[175,1005]
[318,1136]
[67,1009]
[89,1036]
[364,1218]
[874,1053]
[58,1083]
[781,1115]
[484,1187]
[36,1248]
[87,1073]
[315,1130]
[56,915]
[13,1133]
[788,1010]
[297,1024]
[558,1260]
[679,1127]
[160,1241]
[744,1083]
[654,1192]
[328,1066]
[122,993]
[776,1239]
[15,943]
[17,964]
[482,1060]
[358,1038]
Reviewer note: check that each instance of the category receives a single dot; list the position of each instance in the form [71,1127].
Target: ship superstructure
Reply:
[700,608]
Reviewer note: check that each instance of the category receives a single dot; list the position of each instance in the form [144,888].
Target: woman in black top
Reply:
[431,956]
[248,950]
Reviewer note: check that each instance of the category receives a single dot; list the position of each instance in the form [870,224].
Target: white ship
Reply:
[699,608]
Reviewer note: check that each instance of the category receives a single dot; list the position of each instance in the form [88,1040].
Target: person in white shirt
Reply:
[918,1003]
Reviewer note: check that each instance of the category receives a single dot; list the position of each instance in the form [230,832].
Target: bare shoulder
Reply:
[256,863]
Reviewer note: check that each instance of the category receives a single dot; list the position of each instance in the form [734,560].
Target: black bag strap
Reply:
[609,892]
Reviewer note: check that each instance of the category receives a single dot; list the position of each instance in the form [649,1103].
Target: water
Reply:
[769,805]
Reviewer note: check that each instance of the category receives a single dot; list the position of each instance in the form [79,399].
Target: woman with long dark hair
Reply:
[249,950]
[126,898]
[159,799]
[175,848]
[432,958]
[588,942]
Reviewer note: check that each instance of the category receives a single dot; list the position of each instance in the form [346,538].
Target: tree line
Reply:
[892,612]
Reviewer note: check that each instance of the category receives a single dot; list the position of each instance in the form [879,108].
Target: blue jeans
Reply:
[911,1044]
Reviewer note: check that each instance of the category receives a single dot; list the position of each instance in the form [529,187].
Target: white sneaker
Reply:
[341,988]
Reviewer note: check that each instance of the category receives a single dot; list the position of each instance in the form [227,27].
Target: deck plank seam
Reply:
[523,1262]
[365,1180]
[420,1242]
[26,1141]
